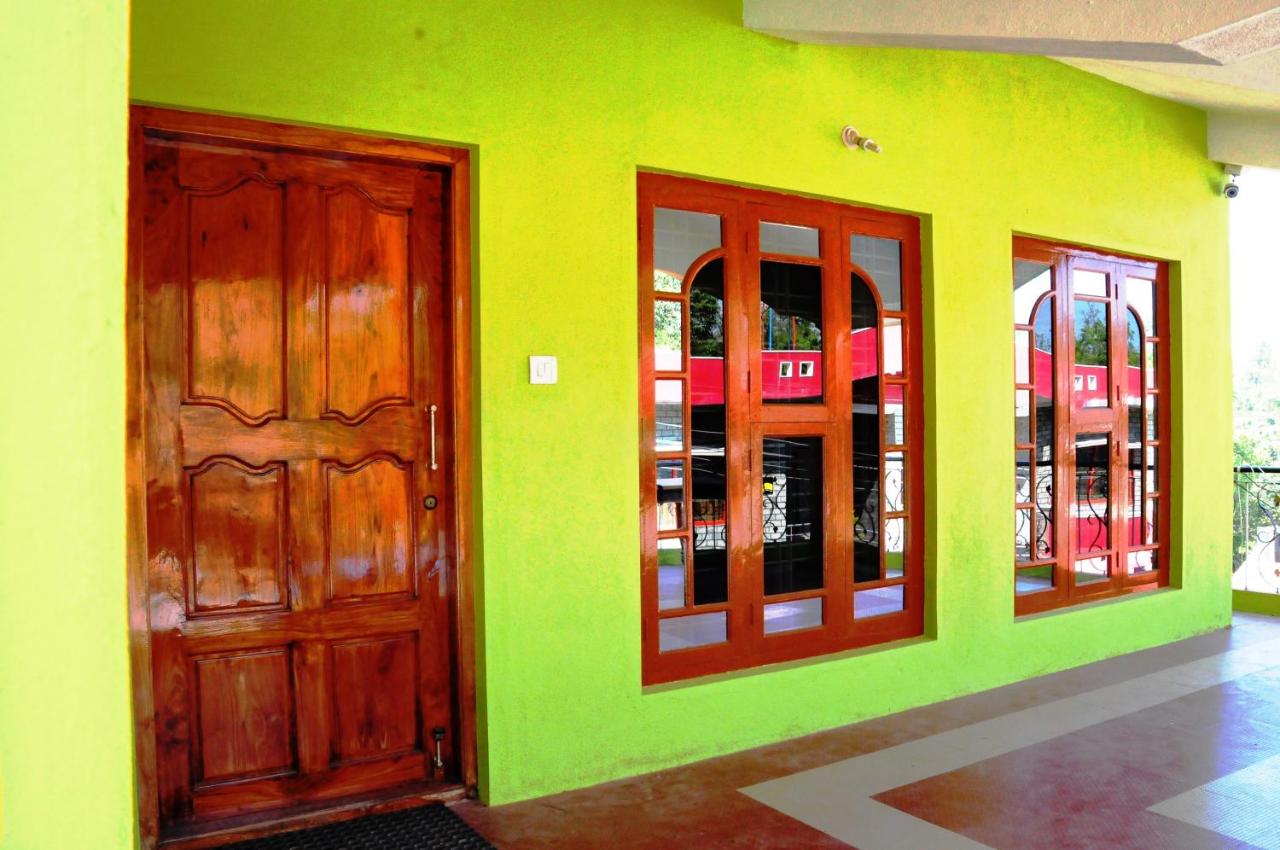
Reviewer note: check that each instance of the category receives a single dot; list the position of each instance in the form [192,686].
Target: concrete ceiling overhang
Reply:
[1222,56]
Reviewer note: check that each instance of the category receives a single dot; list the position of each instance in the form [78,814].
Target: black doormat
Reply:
[433,827]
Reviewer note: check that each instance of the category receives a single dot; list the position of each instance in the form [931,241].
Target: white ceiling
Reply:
[1222,56]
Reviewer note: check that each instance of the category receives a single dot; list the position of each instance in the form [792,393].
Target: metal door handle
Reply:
[432,411]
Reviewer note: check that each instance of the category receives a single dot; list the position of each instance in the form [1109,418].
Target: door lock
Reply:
[430,503]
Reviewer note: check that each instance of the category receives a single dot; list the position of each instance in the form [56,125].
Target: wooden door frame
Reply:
[271,135]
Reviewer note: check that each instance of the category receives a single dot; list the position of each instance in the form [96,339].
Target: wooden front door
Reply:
[295,422]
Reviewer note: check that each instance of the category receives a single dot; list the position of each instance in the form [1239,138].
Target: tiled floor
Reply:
[1176,747]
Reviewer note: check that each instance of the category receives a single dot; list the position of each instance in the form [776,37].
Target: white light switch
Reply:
[542,369]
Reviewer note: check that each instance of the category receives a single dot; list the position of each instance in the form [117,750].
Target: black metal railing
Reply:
[1255,560]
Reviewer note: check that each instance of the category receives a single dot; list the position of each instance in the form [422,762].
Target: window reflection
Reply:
[878,602]
[1141,297]
[692,630]
[1093,493]
[1030,281]
[679,238]
[668,416]
[1092,379]
[882,259]
[671,573]
[866,431]
[790,322]
[1042,372]
[670,495]
[792,503]
[794,239]
[668,335]
[707,423]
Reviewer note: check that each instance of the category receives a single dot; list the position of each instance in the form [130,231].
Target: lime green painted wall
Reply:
[1255,603]
[563,102]
[65,749]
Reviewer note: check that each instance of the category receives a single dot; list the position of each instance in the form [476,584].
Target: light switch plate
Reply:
[542,369]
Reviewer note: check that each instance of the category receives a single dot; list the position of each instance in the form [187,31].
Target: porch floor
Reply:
[1176,747]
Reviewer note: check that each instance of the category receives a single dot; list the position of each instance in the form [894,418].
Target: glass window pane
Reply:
[895,415]
[893,346]
[1135,494]
[1022,476]
[670,495]
[895,547]
[1141,295]
[1153,418]
[792,501]
[1151,522]
[794,239]
[1089,570]
[669,415]
[1023,535]
[671,573]
[706,312]
[668,336]
[1093,493]
[1092,377]
[1022,416]
[1033,580]
[1142,562]
[866,498]
[1044,429]
[1043,515]
[679,238]
[1152,367]
[895,482]
[878,601]
[882,259]
[1085,282]
[1133,362]
[710,538]
[1153,468]
[793,615]
[1043,359]
[790,321]
[707,435]
[1022,357]
[693,630]
[1030,281]
[867,427]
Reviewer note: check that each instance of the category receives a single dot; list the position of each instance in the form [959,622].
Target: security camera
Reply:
[1231,188]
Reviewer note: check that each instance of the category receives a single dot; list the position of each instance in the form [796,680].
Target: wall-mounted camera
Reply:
[1231,189]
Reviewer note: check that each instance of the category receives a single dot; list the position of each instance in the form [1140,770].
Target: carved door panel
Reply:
[295,340]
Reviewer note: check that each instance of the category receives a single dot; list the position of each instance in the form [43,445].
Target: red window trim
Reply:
[748,419]
[1063,257]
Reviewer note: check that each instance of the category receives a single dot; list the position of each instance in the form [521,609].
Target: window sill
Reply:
[777,666]
[1124,596]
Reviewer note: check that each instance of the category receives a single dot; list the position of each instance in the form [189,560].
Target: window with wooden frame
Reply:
[781,447]
[1091,434]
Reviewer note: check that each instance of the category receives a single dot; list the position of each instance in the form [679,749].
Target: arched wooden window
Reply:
[1090,369]
[781,482]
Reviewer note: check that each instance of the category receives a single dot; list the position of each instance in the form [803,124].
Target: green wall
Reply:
[65,748]
[1255,603]
[562,103]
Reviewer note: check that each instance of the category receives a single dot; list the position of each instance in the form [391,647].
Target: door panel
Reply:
[375,700]
[369,525]
[244,704]
[294,321]
[368,354]
[239,537]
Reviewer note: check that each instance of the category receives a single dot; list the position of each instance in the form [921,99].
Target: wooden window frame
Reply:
[1063,258]
[749,420]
